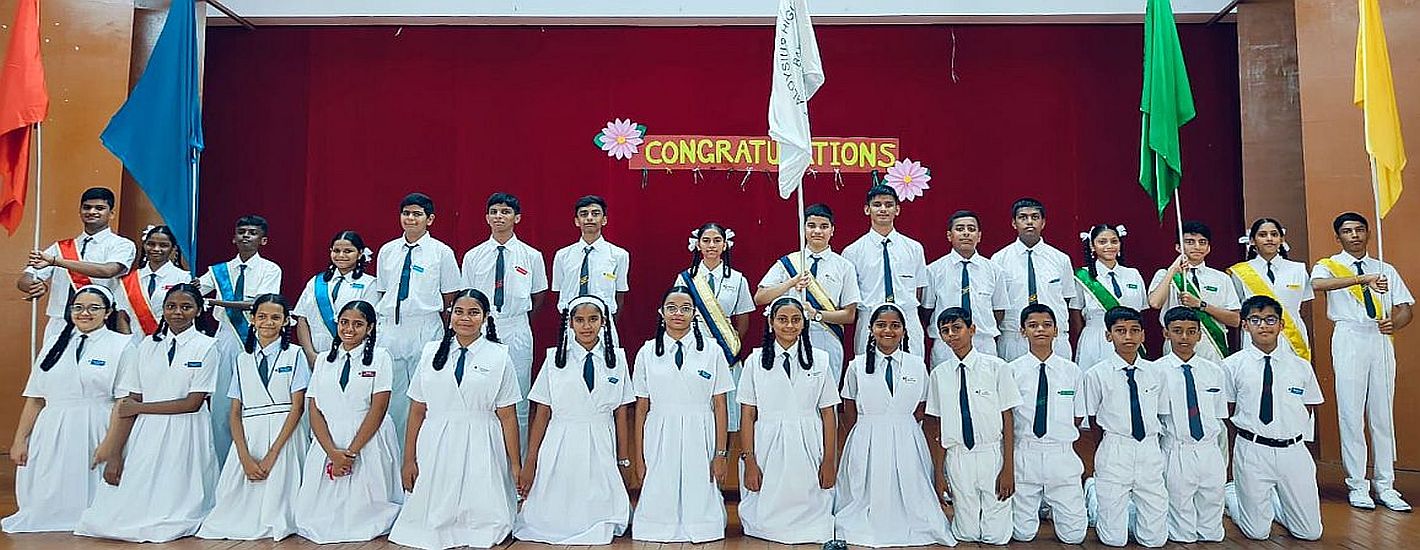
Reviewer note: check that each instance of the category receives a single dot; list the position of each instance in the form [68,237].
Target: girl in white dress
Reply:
[726,316]
[159,268]
[263,469]
[68,400]
[885,494]
[680,385]
[350,487]
[461,448]
[789,433]
[580,436]
[159,470]
[1104,282]
[1289,282]
[327,292]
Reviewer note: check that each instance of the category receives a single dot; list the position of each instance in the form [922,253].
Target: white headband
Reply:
[101,290]
[784,298]
[895,307]
[587,299]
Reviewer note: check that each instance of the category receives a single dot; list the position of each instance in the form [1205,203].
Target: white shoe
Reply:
[1361,498]
[1390,498]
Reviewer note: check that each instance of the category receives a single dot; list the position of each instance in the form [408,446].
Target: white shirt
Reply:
[909,268]
[105,247]
[90,376]
[607,268]
[489,379]
[1341,306]
[910,382]
[167,276]
[1292,288]
[1062,382]
[524,273]
[1214,287]
[1131,285]
[991,390]
[365,287]
[799,393]
[1294,386]
[145,369]
[690,387]
[1107,396]
[1053,275]
[1210,385]
[988,290]
[277,359]
[433,272]
[262,277]
[732,292]
[837,276]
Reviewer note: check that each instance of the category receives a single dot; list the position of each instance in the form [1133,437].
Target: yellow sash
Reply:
[720,326]
[1258,287]
[1342,271]
[824,301]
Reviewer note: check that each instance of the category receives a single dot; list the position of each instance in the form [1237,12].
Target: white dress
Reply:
[362,505]
[578,496]
[168,467]
[464,495]
[679,501]
[789,507]
[1093,345]
[363,288]
[735,298]
[56,484]
[885,495]
[250,510]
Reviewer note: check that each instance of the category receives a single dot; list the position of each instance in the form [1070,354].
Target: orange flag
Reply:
[24,101]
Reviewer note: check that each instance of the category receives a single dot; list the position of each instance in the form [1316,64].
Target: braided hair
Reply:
[354,239]
[1090,258]
[183,288]
[62,343]
[766,351]
[368,312]
[441,357]
[1252,234]
[250,343]
[661,323]
[608,349]
[695,255]
[872,348]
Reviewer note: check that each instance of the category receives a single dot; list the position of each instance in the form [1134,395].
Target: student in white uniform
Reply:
[885,496]
[351,486]
[892,267]
[789,434]
[969,404]
[592,265]
[1368,302]
[1269,272]
[418,277]
[1048,466]
[512,274]
[263,471]
[68,400]
[97,256]
[1274,395]
[236,283]
[461,449]
[343,281]
[966,279]
[681,382]
[159,471]
[720,294]
[829,285]
[140,293]
[1195,468]
[1104,282]
[1189,282]
[1124,396]
[581,437]
[1035,273]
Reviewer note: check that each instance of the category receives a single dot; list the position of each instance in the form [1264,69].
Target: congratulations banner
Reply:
[687,152]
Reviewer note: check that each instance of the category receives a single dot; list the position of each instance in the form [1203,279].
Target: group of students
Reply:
[397,402]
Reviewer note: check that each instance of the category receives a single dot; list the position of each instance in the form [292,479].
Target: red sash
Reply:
[141,309]
[68,251]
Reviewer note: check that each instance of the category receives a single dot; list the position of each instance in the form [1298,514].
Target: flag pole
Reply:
[1380,238]
[803,235]
[39,196]
[192,227]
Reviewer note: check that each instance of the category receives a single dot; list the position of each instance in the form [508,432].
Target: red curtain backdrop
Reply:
[323,129]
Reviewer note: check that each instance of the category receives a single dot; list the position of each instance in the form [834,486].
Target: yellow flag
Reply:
[1375,95]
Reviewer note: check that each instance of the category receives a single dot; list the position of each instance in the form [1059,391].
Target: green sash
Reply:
[1216,334]
[1105,297]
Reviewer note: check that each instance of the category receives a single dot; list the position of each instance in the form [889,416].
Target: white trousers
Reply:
[1364,363]
[1048,472]
[1129,472]
[1257,471]
[1195,472]
[978,516]
[1013,345]
[404,342]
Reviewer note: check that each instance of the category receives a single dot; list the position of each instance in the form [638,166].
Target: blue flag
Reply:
[157,133]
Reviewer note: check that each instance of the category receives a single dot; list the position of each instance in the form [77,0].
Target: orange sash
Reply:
[68,251]
[139,302]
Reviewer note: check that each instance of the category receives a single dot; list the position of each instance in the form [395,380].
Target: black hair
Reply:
[952,315]
[1252,234]
[819,209]
[608,348]
[1035,308]
[418,199]
[959,214]
[184,288]
[873,342]
[766,350]
[589,200]
[1095,231]
[695,255]
[1180,313]
[506,199]
[253,220]
[98,193]
[1195,227]
[177,250]
[62,343]
[1027,202]
[490,328]
[1118,314]
[881,190]
[250,344]
[661,322]
[1258,303]
[368,312]
[1348,217]
[360,260]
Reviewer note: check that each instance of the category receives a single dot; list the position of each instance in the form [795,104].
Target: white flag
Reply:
[798,73]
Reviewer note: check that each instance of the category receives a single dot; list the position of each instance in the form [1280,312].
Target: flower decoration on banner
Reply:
[621,138]
[909,178]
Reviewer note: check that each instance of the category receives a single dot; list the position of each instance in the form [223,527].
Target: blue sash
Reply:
[813,296]
[714,316]
[327,310]
[223,278]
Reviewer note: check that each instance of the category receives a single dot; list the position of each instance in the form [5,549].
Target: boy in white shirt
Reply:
[1197,402]
[892,267]
[97,256]
[1189,282]
[592,265]
[964,278]
[1035,273]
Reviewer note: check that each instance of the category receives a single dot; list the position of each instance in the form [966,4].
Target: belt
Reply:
[1267,441]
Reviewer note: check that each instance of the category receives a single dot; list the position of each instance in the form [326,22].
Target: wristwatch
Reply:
[1202,304]
[818,316]
[722,453]
[746,454]
[623,462]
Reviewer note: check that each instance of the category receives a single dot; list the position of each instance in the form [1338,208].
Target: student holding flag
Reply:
[1189,282]
[97,256]
[340,283]
[720,293]
[1269,272]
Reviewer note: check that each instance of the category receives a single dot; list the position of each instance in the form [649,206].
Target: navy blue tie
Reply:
[887,374]
[887,272]
[1272,277]
[1195,416]
[589,372]
[241,290]
[813,268]
[345,373]
[152,285]
[1264,412]
[172,350]
[1042,403]
[1366,293]
[787,370]
[498,273]
[79,352]
[968,433]
[458,368]
[1114,281]
[679,355]
[1031,288]
[403,291]
[263,370]
[966,286]
[585,277]
[335,290]
[1136,416]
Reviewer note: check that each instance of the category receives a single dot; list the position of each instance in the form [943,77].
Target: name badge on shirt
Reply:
[1067,392]
[357,285]
[813,373]
[367,374]
[520,270]
[1296,391]
[613,379]
[705,375]
[417,268]
[194,364]
[609,276]
[1294,286]
[1210,288]
[983,393]
[1055,280]
[1215,390]
[480,369]
[97,362]
[286,368]
[909,379]
[1131,285]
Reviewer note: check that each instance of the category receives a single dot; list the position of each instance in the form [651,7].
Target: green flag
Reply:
[1167,104]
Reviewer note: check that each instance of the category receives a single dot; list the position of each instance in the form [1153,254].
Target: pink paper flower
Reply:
[621,138]
[909,178]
